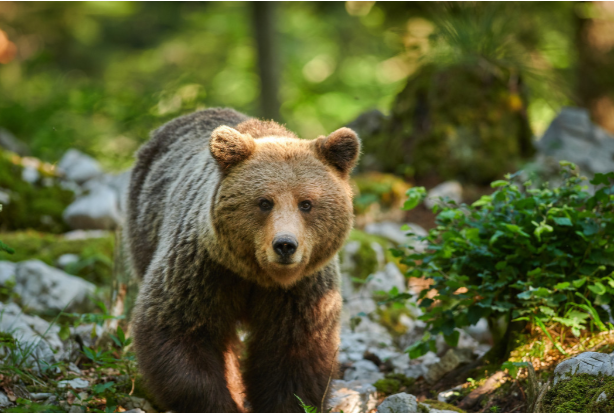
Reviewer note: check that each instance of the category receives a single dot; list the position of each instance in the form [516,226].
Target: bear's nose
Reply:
[285,245]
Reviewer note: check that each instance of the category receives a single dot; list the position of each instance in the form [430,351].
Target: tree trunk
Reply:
[268,64]
[595,45]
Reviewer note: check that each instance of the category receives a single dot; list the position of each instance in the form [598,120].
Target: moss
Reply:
[579,393]
[390,317]
[366,260]
[37,206]
[435,404]
[394,383]
[387,191]
[95,254]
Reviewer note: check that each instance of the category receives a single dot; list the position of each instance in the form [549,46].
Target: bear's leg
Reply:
[190,372]
[294,336]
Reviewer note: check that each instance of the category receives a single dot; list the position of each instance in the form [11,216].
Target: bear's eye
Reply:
[305,206]
[265,204]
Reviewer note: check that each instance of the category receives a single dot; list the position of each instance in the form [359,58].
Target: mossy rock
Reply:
[366,258]
[581,394]
[454,122]
[387,191]
[95,254]
[390,317]
[36,206]
[435,404]
[394,383]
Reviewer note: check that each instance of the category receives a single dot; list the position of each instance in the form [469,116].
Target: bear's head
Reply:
[284,205]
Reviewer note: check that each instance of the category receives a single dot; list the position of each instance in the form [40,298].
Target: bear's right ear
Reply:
[229,146]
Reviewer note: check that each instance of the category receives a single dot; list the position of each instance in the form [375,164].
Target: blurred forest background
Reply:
[98,76]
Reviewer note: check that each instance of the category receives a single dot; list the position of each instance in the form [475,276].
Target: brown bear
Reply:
[235,223]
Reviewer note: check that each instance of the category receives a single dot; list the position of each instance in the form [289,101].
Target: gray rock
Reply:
[30,174]
[79,167]
[76,384]
[40,396]
[352,397]
[80,234]
[4,400]
[573,137]
[602,396]
[5,197]
[42,287]
[97,210]
[447,191]
[65,260]
[135,411]
[480,331]
[36,339]
[399,403]
[585,363]
[364,371]
[7,271]
[447,395]
[453,358]
[385,280]
[9,142]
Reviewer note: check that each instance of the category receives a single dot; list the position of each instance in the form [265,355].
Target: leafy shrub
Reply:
[529,256]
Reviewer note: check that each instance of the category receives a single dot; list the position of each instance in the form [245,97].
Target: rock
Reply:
[602,396]
[36,339]
[65,260]
[80,234]
[135,411]
[97,210]
[30,174]
[480,331]
[489,385]
[76,384]
[447,191]
[421,365]
[573,137]
[7,271]
[133,403]
[40,396]
[386,280]
[4,400]
[585,363]
[352,397]
[79,167]
[5,197]
[9,142]
[453,358]
[427,408]
[354,344]
[42,287]
[447,395]
[364,371]
[399,403]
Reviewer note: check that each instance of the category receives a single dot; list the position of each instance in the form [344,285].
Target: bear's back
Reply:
[161,163]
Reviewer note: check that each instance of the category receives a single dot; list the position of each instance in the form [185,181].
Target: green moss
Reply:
[434,404]
[579,393]
[95,254]
[385,190]
[37,206]
[366,258]
[394,383]
[390,317]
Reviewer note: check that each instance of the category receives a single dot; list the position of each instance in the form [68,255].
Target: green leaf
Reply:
[414,197]
[497,184]
[562,286]
[64,333]
[597,288]
[579,282]
[452,339]
[563,221]
[547,311]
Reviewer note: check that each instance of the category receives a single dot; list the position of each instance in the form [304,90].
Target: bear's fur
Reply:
[211,196]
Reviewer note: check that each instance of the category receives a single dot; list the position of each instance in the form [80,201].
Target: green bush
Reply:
[520,257]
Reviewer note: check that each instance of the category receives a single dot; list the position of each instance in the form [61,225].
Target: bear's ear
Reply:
[339,149]
[229,146]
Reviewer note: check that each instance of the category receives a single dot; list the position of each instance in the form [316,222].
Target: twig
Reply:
[330,377]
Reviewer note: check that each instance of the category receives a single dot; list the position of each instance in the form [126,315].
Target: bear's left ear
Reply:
[229,146]
[339,149]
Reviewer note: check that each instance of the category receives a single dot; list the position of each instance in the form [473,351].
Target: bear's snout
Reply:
[285,245]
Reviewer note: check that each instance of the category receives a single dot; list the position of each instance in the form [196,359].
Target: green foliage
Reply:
[38,206]
[310,409]
[579,393]
[3,246]
[95,254]
[536,255]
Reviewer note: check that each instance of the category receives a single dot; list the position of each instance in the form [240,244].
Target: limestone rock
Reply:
[573,137]
[352,397]
[97,210]
[9,142]
[42,287]
[399,403]
[77,384]
[364,371]
[4,400]
[588,363]
[65,260]
[7,271]
[79,167]
[386,279]
[453,358]
[442,193]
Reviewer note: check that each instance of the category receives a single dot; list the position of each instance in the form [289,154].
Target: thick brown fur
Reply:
[203,248]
